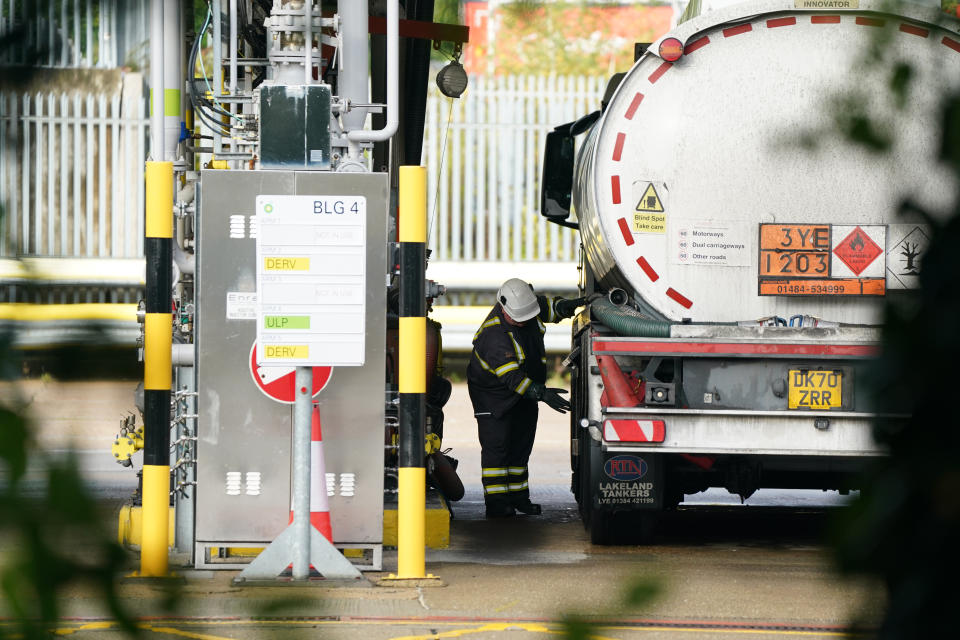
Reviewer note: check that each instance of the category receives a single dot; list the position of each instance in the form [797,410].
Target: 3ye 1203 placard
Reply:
[820,260]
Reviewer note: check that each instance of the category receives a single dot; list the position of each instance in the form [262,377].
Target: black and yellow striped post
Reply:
[411,514]
[158,332]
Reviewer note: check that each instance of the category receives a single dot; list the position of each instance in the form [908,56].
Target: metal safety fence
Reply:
[484,152]
[76,33]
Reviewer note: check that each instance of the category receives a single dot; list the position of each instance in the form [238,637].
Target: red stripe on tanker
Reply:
[781,22]
[696,44]
[737,348]
[735,31]
[647,269]
[632,109]
[953,44]
[618,147]
[825,19]
[625,230]
[662,69]
[615,189]
[679,298]
[914,31]
[870,22]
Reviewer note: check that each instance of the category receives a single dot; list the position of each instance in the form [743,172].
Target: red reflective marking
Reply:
[647,269]
[953,44]
[696,44]
[625,230]
[615,187]
[914,31]
[618,147]
[870,22]
[737,348]
[825,19]
[781,22]
[662,69]
[632,109]
[735,31]
[679,298]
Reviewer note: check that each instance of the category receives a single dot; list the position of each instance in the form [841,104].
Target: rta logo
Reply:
[625,468]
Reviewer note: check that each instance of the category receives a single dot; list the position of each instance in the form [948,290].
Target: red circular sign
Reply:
[277,383]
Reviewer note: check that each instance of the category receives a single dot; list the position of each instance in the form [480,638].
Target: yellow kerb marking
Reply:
[183,634]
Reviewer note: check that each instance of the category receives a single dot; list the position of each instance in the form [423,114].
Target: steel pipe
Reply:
[393,81]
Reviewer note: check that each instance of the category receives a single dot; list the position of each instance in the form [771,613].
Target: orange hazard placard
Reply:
[797,260]
[825,287]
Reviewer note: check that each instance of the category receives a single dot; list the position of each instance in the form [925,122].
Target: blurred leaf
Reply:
[14,438]
[900,79]
[641,592]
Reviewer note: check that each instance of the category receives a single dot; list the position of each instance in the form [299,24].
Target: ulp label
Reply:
[286,322]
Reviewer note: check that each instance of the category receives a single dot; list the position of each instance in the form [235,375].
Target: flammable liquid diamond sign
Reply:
[311,280]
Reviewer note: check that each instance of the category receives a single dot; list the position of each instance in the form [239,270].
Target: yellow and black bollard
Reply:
[411,513]
[158,331]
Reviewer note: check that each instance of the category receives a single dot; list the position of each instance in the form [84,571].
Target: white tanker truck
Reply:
[744,248]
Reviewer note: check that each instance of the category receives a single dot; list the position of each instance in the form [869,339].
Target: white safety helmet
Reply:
[518,299]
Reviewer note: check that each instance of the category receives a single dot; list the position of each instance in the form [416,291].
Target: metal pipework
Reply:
[172,78]
[393,81]
[233,47]
[618,297]
[308,41]
[354,77]
[156,81]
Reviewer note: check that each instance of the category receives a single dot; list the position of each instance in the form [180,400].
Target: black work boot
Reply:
[499,510]
[528,508]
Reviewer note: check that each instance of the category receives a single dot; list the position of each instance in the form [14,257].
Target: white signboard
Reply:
[311,280]
[719,244]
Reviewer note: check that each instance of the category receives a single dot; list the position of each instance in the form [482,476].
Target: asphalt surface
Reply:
[716,568]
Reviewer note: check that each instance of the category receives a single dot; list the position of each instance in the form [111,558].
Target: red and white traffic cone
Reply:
[319,506]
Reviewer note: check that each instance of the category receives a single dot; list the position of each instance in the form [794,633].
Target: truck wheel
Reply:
[600,527]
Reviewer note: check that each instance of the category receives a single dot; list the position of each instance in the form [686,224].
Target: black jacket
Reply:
[507,359]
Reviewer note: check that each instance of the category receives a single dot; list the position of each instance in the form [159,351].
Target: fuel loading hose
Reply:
[627,322]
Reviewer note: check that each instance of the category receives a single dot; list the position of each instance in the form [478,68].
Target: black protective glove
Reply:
[549,395]
[566,308]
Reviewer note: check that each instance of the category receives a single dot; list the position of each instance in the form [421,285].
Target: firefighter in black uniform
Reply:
[505,377]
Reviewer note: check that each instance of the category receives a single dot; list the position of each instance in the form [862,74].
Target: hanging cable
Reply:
[443,153]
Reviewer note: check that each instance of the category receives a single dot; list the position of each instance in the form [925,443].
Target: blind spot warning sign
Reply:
[650,200]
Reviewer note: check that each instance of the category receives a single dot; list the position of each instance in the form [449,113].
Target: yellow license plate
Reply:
[814,389]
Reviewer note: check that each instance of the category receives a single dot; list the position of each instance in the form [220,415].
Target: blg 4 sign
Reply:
[311,280]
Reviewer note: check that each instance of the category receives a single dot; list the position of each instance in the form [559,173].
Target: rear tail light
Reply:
[671,49]
[634,430]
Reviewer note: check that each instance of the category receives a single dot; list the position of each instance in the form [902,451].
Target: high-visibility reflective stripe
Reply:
[552,313]
[521,356]
[495,488]
[483,364]
[506,368]
[543,360]
[520,486]
[493,472]
[517,470]
[543,329]
[486,325]
[523,386]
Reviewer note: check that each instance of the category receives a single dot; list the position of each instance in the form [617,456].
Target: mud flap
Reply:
[626,481]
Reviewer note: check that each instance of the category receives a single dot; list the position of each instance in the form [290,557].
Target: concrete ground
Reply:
[718,568]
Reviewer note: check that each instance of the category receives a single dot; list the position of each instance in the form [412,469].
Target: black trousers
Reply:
[505,446]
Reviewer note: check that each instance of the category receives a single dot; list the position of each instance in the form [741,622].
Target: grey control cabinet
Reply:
[244,436]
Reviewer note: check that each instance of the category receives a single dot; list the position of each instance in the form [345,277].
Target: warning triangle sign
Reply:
[650,201]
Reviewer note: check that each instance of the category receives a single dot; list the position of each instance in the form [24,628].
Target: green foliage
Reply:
[905,526]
